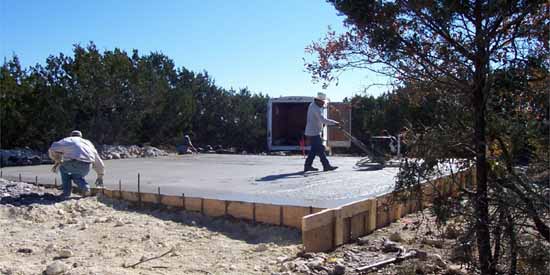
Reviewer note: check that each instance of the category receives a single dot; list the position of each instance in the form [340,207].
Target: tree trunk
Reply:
[513,245]
[481,197]
[481,211]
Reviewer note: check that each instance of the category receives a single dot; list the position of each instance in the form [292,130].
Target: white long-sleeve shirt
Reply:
[315,120]
[77,148]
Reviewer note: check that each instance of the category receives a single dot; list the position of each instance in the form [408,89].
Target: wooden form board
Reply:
[318,231]
[241,210]
[268,213]
[322,229]
[285,215]
[325,230]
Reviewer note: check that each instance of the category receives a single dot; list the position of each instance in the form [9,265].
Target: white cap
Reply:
[321,96]
[76,133]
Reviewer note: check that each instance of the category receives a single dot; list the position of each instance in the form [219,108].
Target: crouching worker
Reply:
[187,146]
[74,156]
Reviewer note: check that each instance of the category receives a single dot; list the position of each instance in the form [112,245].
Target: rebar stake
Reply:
[139,190]
[159,198]
[183,200]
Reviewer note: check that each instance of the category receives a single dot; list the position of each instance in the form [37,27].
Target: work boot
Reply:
[330,168]
[310,168]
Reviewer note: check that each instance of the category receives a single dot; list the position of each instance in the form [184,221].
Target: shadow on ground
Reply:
[34,198]
[252,233]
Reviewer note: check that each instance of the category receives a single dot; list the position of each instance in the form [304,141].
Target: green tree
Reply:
[455,46]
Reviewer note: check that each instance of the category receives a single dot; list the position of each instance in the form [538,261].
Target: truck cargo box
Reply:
[286,122]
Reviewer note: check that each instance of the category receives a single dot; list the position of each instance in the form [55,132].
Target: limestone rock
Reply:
[56,268]
[339,269]
[434,243]
[396,237]
[261,248]
[390,246]
[65,253]
[438,260]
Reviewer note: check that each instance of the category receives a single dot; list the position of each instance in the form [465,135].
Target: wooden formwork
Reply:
[327,229]
[322,229]
[285,215]
[318,231]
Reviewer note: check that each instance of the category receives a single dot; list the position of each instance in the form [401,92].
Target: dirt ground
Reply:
[42,235]
[100,236]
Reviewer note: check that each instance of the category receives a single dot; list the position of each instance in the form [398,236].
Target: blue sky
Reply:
[256,44]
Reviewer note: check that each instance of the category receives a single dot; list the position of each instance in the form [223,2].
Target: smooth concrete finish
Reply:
[250,178]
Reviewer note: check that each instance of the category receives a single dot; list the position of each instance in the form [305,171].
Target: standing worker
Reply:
[314,127]
[74,156]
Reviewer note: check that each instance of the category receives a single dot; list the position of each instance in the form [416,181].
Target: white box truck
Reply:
[286,122]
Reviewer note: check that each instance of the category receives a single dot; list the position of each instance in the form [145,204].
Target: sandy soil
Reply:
[100,236]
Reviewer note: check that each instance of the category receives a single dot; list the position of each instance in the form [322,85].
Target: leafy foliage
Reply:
[117,98]
[481,67]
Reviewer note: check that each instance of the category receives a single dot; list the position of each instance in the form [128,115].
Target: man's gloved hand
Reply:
[55,167]
[99,181]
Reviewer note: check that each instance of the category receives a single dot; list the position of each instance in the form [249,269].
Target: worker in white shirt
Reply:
[314,127]
[74,156]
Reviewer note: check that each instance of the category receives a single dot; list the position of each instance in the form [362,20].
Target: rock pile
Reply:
[22,156]
[21,193]
[132,151]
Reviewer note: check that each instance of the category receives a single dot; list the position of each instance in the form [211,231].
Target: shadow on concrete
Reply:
[370,168]
[283,176]
[252,233]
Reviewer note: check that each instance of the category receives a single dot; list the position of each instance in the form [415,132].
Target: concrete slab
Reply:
[249,178]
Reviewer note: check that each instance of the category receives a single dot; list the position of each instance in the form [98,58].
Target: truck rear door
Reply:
[340,112]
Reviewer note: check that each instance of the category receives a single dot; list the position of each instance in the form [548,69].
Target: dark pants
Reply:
[74,170]
[317,149]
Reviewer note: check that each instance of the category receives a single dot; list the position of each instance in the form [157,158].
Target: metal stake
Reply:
[139,191]
[119,189]
[159,198]
[183,200]
[254,212]
[281,218]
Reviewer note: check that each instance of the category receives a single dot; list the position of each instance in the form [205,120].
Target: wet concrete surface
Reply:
[263,179]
